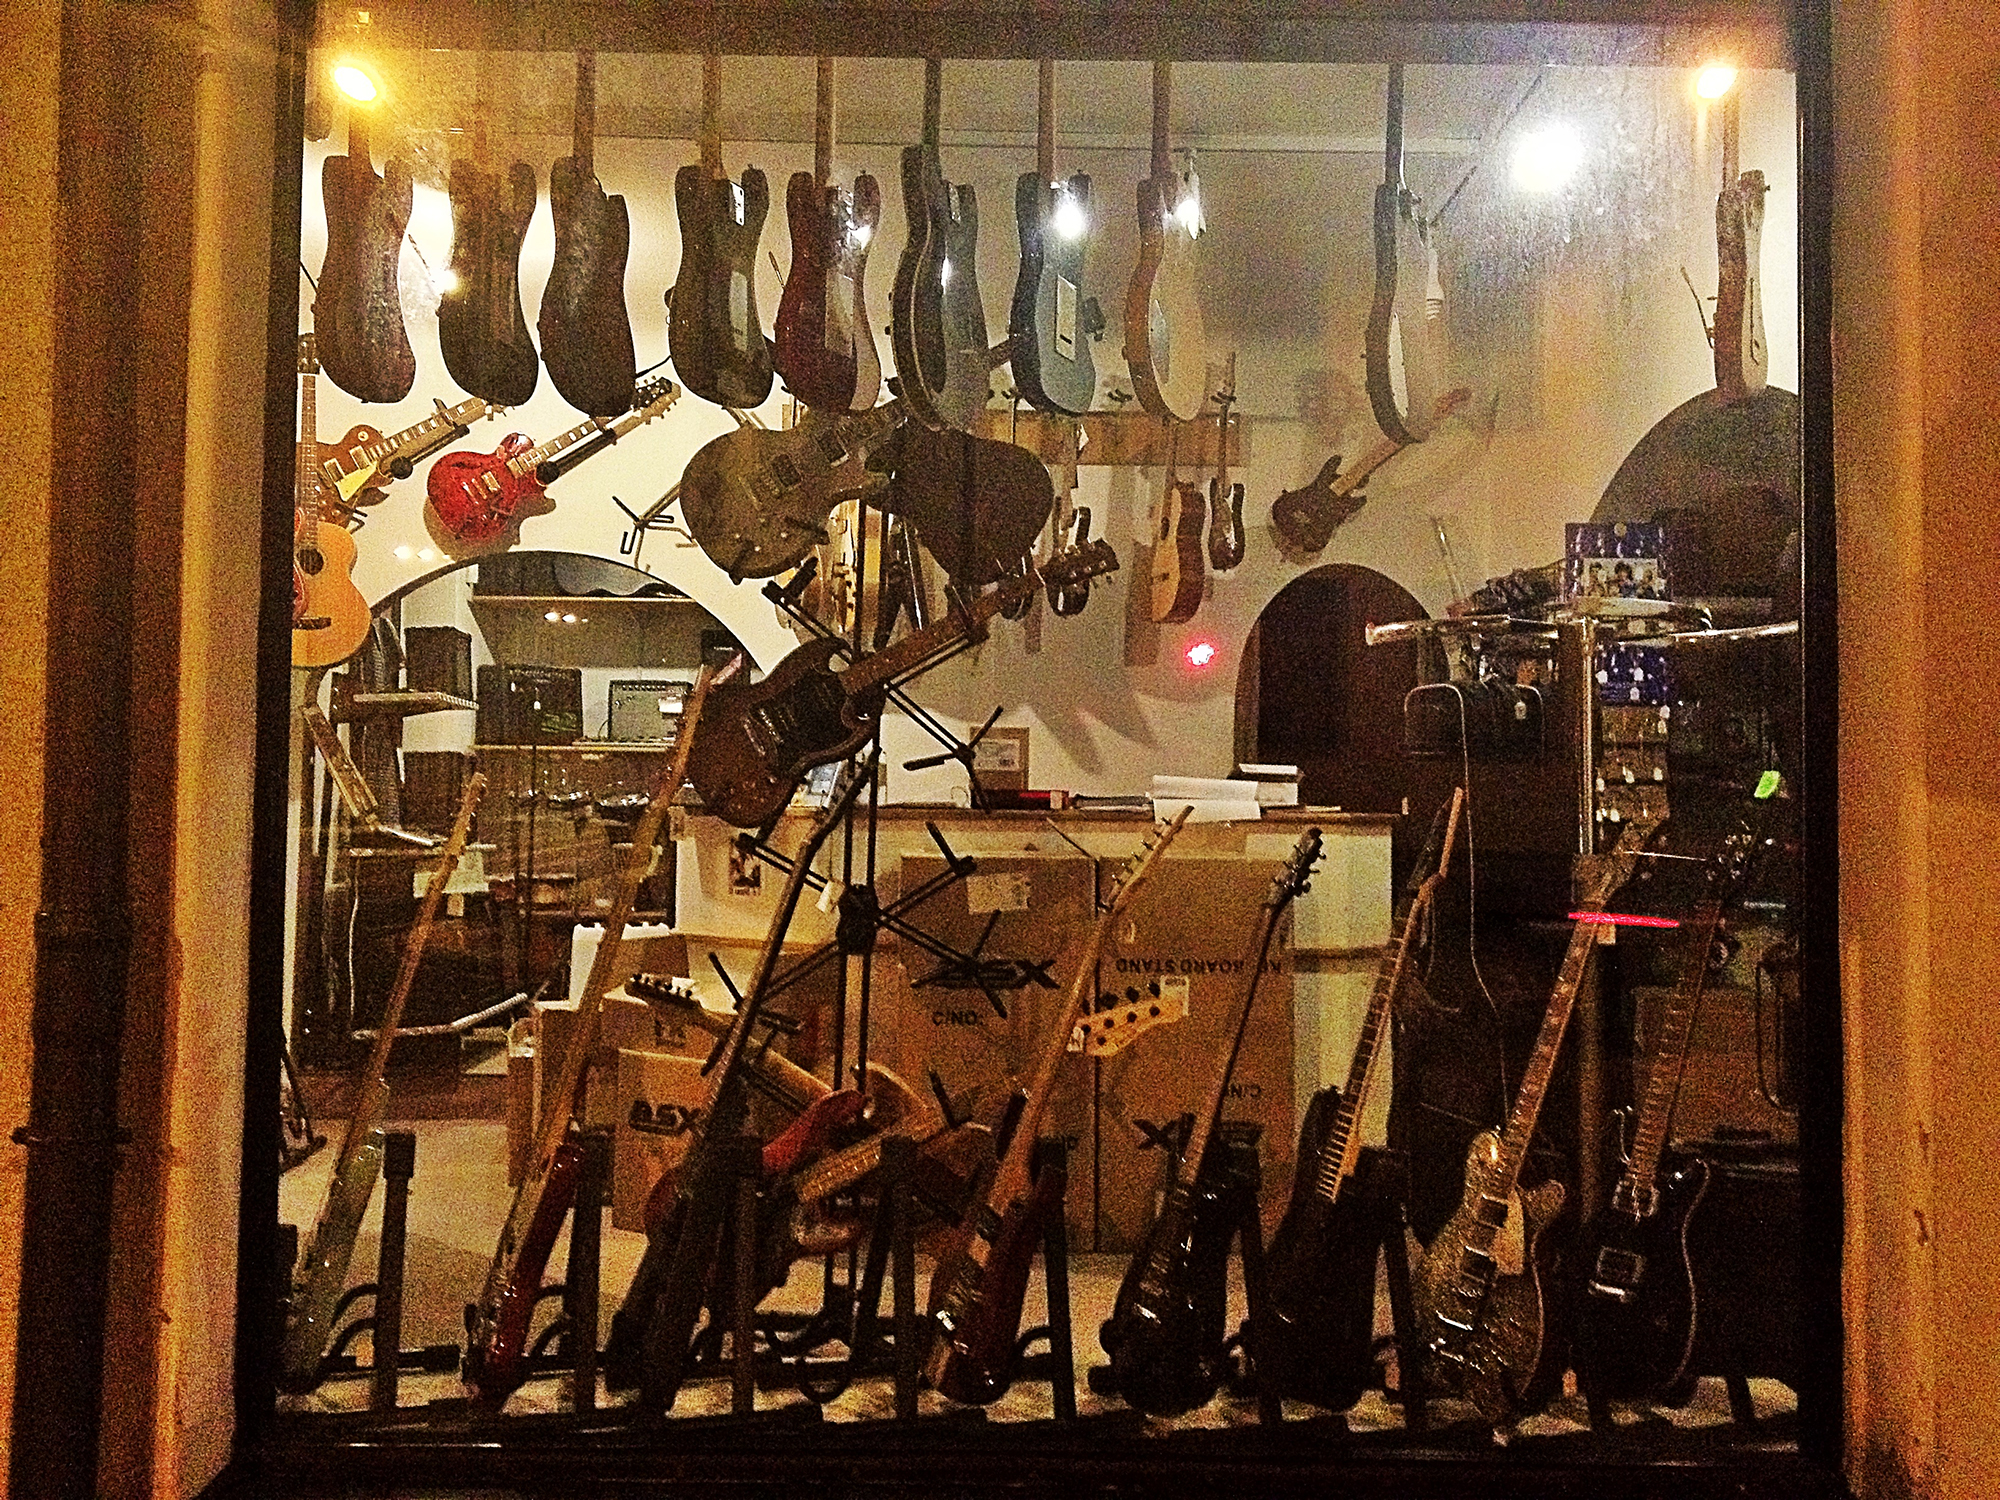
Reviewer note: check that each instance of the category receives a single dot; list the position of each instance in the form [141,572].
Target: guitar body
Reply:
[824,347]
[1306,518]
[1742,358]
[977,503]
[1071,600]
[346,470]
[1051,322]
[714,332]
[324,1264]
[496,1368]
[330,595]
[1178,572]
[962,317]
[1165,346]
[1167,1328]
[481,328]
[1399,333]
[586,333]
[1636,1308]
[916,300]
[357,311]
[476,497]
[1225,525]
[985,1301]
[759,739]
[1485,1332]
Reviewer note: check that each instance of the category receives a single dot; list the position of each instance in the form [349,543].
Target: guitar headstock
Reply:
[1079,563]
[1614,868]
[1139,868]
[1118,1021]
[1294,877]
[653,397]
[308,354]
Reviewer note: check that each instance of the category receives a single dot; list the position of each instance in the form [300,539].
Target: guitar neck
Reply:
[711,114]
[1189,1170]
[917,648]
[1663,1083]
[1163,94]
[1045,120]
[308,460]
[420,439]
[933,101]
[584,126]
[823,121]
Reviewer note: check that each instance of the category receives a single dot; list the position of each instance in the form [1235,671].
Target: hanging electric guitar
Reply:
[1165,1335]
[586,331]
[976,1292]
[1306,518]
[1637,1316]
[477,497]
[1482,1288]
[1179,568]
[1316,1339]
[714,331]
[763,738]
[1072,530]
[1165,347]
[1402,374]
[323,1266]
[330,619]
[824,348]
[356,467]
[1051,321]
[654,1328]
[1742,358]
[1225,500]
[357,310]
[481,328]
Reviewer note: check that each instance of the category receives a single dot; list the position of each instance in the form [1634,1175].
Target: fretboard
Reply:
[1336,1157]
[1163,93]
[917,648]
[584,124]
[308,500]
[1189,1170]
[525,465]
[1663,1083]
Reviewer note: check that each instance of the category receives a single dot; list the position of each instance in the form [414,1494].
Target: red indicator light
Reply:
[1616,919]
[1201,654]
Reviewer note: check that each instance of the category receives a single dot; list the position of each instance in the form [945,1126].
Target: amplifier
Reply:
[438,659]
[530,705]
[645,710]
[433,784]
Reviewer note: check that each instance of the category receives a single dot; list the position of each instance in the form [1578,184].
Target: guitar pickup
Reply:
[1475,1266]
[1492,1210]
[832,449]
[1618,1274]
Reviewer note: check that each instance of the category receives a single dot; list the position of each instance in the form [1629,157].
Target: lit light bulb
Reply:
[1546,158]
[425,554]
[355,83]
[554,617]
[944,276]
[1715,80]
[1069,220]
[569,619]
[1201,654]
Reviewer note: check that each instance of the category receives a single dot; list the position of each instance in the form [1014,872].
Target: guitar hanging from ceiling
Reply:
[481,328]
[1165,346]
[586,331]
[1742,357]
[1401,344]
[357,310]
[1052,322]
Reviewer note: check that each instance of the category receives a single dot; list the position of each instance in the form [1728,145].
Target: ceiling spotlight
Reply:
[1713,81]
[1547,157]
[356,83]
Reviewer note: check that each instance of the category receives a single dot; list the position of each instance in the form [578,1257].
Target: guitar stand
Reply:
[1058,1364]
[1383,1175]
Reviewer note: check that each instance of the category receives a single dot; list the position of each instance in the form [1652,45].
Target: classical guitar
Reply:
[481,328]
[1316,1339]
[1052,322]
[1402,375]
[477,497]
[1166,1331]
[497,1324]
[653,1329]
[976,1292]
[357,311]
[807,713]
[1165,347]
[1482,1288]
[1306,518]
[330,619]
[1225,500]
[1637,1315]
[1179,567]
[586,331]
[323,1267]
[978,503]
[714,331]
[357,468]
[1742,358]
[824,348]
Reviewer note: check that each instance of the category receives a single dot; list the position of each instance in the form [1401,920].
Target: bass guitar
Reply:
[764,738]
[481,328]
[1165,347]
[1225,500]
[1637,1317]
[1074,532]
[323,1267]
[1316,1338]
[1052,323]
[981,1278]
[356,468]
[357,310]
[1400,345]
[1481,1288]
[330,619]
[824,346]
[478,497]
[586,331]
[1165,1335]
[496,1325]
[714,331]
[653,1330]
[1306,518]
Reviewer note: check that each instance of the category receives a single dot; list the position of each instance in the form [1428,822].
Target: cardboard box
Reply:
[656,1103]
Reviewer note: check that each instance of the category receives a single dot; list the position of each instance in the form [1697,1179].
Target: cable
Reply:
[1472,905]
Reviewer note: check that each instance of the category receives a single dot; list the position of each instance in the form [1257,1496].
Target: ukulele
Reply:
[497,1324]
[976,1292]
[1640,1308]
[1742,358]
[476,497]
[824,347]
[1051,322]
[1316,1341]
[1306,518]
[356,467]
[653,1330]
[481,328]
[1401,319]
[1225,500]
[1481,1288]
[357,311]
[1165,347]
[714,331]
[1166,1331]
[330,619]
[586,332]
[764,737]
[1179,575]
[978,503]
[316,1296]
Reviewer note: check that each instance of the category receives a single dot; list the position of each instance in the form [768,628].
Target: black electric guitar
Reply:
[1052,322]
[1316,1339]
[654,1328]
[1639,1308]
[714,331]
[481,329]
[1306,518]
[1483,1287]
[357,308]
[586,331]
[1225,499]
[1401,339]
[1165,1335]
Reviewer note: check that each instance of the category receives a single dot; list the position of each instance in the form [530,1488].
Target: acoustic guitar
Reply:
[586,331]
[1052,322]
[357,310]
[357,467]
[330,619]
[714,331]
[1400,347]
[1306,518]
[481,328]
[1179,570]
[1165,346]
[824,348]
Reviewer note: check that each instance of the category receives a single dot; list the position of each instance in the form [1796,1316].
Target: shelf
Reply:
[543,601]
[398,705]
[618,747]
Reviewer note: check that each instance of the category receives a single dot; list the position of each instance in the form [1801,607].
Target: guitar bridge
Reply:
[1618,1274]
